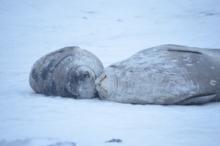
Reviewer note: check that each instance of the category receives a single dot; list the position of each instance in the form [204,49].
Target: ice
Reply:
[113,30]
[35,142]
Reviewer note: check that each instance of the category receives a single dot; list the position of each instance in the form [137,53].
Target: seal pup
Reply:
[166,74]
[68,72]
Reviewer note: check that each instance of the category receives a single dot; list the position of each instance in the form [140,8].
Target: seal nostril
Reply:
[100,79]
[106,84]
[104,77]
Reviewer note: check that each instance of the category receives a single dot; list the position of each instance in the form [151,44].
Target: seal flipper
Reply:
[198,99]
[185,51]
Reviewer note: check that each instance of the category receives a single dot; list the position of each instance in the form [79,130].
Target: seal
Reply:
[166,75]
[67,72]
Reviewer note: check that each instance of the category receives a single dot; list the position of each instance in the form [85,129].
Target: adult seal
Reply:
[166,74]
[68,72]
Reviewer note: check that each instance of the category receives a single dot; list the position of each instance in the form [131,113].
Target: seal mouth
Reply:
[106,85]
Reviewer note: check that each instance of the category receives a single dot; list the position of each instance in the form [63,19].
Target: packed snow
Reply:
[113,30]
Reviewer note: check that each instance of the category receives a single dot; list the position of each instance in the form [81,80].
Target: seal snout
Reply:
[105,84]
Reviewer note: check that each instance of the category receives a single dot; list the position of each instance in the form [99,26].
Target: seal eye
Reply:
[86,74]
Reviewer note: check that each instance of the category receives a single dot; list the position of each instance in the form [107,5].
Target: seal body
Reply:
[166,74]
[68,72]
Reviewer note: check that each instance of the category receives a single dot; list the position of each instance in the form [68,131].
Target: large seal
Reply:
[166,74]
[68,72]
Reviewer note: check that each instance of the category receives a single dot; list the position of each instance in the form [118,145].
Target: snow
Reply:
[113,30]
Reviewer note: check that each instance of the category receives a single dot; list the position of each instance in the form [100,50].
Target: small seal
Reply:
[67,72]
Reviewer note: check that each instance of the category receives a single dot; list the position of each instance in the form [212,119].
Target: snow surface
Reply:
[113,30]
